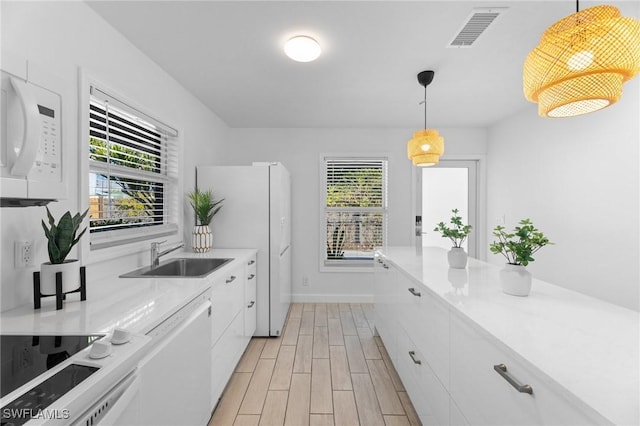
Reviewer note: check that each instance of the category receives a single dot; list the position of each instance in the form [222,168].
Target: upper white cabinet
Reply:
[468,354]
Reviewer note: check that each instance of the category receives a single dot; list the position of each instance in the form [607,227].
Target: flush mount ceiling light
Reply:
[302,49]
[582,61]
[427,145]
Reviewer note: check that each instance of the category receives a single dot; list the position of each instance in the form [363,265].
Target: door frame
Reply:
[481,200]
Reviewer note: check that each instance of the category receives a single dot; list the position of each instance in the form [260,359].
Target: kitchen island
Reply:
[451,330]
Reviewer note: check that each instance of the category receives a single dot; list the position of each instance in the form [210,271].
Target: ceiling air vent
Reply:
[475,24]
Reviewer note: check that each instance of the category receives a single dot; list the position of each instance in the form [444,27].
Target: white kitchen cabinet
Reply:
[227,299]
[250,307]
[225,354]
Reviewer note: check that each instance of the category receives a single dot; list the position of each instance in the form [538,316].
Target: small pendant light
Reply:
[427,145]
[582,61]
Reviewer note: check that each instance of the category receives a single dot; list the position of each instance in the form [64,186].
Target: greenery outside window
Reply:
[132,173]
[355,209]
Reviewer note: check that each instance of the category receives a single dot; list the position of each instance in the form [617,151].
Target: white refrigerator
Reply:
[256,213]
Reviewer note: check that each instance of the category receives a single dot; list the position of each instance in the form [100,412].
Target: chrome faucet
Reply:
[156,254]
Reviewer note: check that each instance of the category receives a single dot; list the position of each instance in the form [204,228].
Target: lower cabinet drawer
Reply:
[429,396]
[484,397]
[225,354]
[227,299]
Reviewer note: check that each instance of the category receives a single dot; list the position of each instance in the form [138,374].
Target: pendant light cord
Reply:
[425,107]
[577,6]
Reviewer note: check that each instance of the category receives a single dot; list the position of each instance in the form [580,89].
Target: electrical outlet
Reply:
[23,254]
[305,281]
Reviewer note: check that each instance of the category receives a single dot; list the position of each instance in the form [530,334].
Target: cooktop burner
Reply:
[26,357]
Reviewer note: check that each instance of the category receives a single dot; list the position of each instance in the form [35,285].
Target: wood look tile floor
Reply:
[327,368]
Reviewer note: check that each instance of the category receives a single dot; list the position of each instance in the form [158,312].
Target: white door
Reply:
[452,184]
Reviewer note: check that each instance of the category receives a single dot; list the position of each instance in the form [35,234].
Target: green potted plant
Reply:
[205,207]
[457,233]
[61,236]
[518,247]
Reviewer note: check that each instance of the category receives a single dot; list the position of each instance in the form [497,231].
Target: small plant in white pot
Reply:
[518,248]
[457,233]
[61,239]
[205,207]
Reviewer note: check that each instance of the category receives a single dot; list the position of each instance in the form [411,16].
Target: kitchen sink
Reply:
[185,267]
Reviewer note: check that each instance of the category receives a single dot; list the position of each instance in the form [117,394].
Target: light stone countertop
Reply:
[137,304]
[587,346]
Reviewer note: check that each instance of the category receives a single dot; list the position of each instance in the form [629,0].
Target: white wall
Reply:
[578,180]
[300,150]
[63,36]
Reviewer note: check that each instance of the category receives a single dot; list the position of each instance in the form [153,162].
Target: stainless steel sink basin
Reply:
[185,267]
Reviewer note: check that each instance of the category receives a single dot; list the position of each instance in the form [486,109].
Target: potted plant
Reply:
[205,207]
[61,239]
[457,233]
[518,247]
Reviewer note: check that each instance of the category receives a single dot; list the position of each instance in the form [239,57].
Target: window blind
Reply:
[132,166]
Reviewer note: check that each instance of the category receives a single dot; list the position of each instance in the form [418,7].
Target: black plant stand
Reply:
[59,295]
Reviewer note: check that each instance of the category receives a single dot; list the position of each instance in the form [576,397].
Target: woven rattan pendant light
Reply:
[427,145]
[582,61]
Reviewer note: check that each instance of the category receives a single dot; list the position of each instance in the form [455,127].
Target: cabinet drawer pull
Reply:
[379,260]
[250,305]
[412,354]
[252,276]
[231,279]
[251,262]
[502,370]
[385,266]
[414,292]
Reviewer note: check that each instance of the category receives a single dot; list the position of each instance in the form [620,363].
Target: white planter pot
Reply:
[515,280]
[70,276]
[202,239]
[457,258]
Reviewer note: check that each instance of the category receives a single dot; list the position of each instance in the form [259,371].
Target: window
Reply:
[355,209]
[132,173]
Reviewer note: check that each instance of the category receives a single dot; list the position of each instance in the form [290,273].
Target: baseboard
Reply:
[332,298]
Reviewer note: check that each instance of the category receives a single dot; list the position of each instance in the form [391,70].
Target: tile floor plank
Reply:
[344,307]
[348,326]
[247,420]
[298,404]
[228,406]
[321,315]
[386,393]
[345,412]
[366,401]
[395,378]
[358,316]
[275,406]
[257,390]
[302,361]
[309,307]
[321,393]
[296,310]
[340,375]
[281,377]
[321,420]
[333,311]
[396,421]
[357,363]
[306,326]
[335,332]
[378,340]
[291,332]
[251,355]
[271,347]
[320,342]
[414,420]
[369,346]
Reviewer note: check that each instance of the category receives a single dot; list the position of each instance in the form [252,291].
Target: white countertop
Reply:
[587,346]
[137,304]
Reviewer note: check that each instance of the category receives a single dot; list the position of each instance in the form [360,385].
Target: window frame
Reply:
[105,245]
[364,265]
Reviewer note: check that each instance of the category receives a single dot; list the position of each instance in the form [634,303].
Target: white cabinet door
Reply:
[385,296]
[225,354]
[227,299]
[484,397]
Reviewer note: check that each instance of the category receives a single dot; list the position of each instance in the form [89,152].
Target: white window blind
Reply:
[133,166]
[355,209]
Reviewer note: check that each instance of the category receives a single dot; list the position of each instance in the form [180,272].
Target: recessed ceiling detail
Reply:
[475,24]
[302,49]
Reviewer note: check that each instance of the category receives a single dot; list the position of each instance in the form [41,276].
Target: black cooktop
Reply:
[24,358]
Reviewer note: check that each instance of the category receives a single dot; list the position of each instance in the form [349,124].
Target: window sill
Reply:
[358,265]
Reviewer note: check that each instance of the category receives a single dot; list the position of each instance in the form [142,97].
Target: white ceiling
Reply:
[229,55]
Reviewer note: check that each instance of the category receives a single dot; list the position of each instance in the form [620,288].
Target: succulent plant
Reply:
[63,236]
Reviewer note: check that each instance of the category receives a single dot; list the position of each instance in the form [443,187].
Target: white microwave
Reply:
[31,144]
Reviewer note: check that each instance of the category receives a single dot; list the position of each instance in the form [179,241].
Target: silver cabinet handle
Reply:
[252,276]
[231,279]
[251,262]
[502,370]
[414,292]
[379,260]
[385,266]
[412,354]
[250,305]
